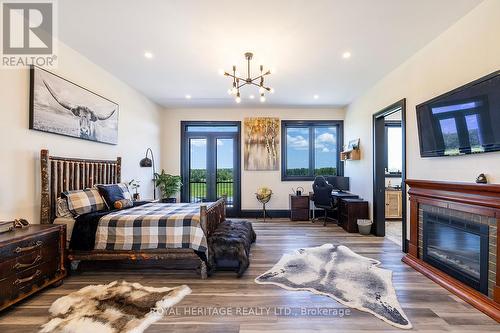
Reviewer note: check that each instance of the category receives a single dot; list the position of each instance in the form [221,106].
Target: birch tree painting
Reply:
[262,136]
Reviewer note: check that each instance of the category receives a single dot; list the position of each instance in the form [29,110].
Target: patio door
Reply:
[211,163]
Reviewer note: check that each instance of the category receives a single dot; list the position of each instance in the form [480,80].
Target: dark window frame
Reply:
[310,124]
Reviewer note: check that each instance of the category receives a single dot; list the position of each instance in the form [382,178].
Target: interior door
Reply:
[211,163]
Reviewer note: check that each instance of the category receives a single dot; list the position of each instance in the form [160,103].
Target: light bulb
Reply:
[221,72]
[271,91]
[262,98]
[234,90]
[261,90]
[230,91]
[238,99]
[273,70]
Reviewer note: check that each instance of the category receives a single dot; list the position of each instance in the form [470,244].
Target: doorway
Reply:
[210,163]
[389,173]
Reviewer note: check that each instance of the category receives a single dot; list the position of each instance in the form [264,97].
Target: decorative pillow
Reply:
[123,203]
[113,192]
[62,209]
[84,201]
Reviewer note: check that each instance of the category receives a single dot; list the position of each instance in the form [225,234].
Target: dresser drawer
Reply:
[26,281]
[35,244]
[44,253]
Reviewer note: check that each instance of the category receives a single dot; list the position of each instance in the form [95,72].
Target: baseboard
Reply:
[272,213]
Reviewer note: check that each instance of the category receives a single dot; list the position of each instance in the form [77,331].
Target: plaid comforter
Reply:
[153,226]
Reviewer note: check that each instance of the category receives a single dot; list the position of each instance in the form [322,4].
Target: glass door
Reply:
[211,163]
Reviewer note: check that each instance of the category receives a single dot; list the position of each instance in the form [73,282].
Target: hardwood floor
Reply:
[429,307]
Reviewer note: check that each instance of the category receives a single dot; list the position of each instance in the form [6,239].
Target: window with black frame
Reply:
[393,149]
[310,149]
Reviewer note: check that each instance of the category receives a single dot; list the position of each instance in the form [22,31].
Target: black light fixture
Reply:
[148,163]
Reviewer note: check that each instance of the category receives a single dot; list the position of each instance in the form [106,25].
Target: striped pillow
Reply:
[84,201]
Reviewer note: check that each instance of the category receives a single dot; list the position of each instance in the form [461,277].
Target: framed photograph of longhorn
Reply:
[62,107]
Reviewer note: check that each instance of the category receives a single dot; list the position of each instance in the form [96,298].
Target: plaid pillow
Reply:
[62,209]
[84,201]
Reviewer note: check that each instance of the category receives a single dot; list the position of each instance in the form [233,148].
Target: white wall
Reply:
[20,147]
[250,180]
[466,51]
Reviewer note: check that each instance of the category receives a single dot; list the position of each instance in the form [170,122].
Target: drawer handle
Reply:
[19,281]
[19,265]
[28,248]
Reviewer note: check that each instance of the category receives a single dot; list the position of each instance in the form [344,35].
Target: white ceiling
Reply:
[303,40]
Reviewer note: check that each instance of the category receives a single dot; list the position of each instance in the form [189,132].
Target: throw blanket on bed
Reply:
[152,226]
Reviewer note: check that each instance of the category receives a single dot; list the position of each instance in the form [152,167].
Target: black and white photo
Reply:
[62,107]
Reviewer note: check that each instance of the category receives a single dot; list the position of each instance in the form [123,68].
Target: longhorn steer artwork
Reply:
[62,107]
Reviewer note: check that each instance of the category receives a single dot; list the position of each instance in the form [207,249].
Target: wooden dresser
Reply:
[299,207]
[31,259]
[350,210]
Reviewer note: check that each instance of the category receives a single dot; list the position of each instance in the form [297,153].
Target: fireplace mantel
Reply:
[470,198]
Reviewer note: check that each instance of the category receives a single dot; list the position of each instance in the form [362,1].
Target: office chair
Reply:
[323,197]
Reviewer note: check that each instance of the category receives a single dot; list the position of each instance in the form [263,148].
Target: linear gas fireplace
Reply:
[453,239]
[457,246]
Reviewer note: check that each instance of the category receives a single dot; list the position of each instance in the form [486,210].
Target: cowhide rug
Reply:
[112,308]
[343,275]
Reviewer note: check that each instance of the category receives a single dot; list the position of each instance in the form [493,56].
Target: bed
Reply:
[59,174]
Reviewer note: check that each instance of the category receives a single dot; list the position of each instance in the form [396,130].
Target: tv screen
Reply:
[463,121]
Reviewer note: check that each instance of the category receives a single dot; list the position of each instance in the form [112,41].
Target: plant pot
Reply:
[136,196]
[169,200]
[364,226]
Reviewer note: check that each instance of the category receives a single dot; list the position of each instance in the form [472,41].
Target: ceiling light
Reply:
[221,71]
[316,96]
[271,91]
[148,55]
[251,96]
[346,55]
[188,96]
[257,80]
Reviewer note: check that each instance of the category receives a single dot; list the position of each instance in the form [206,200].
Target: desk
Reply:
[336,196]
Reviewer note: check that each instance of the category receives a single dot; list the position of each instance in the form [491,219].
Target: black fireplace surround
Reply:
[457,247]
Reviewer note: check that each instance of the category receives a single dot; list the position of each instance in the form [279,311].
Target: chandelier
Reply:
[257,81]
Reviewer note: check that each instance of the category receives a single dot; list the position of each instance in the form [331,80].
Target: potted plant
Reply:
[134,185]
[169,186]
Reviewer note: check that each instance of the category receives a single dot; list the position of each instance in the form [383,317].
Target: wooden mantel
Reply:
[481,199]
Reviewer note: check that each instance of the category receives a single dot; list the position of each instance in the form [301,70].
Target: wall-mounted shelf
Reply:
[351,152]
[350,155]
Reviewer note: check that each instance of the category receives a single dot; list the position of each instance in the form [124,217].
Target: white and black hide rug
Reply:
[112,308]
[349,278]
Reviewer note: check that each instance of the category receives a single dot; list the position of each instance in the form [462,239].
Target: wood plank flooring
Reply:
[429,307]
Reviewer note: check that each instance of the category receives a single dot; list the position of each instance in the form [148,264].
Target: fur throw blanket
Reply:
[112,308]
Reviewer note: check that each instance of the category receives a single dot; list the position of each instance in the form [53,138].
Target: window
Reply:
[393,149]
[310,148]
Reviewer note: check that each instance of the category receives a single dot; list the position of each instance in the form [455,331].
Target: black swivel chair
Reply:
[323,197]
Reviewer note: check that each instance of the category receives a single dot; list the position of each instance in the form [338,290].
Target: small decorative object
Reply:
[298,191]
[169,185]
[264,195]
[351,152]
[262,143]
[6,226]
[147,162]
[481,179]
[257,80]
[62,107]
[364,226]
[134,185]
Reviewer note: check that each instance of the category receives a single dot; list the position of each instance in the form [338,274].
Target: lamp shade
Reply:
[146,162]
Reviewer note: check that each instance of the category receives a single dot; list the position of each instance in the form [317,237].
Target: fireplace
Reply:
[457,247]
[454,232]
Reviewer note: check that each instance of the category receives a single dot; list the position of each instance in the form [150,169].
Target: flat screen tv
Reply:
[463,121]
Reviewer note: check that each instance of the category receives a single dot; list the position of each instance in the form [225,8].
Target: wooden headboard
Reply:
[59,174]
